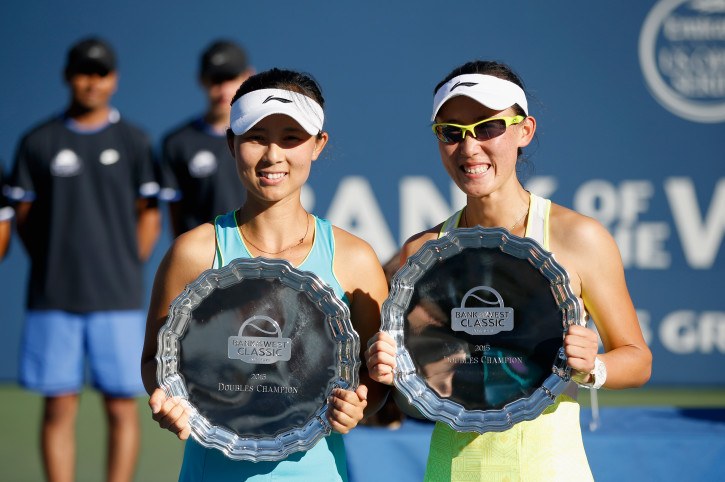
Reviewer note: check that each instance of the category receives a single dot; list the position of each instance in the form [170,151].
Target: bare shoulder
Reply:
[191,253]
[575,233]
[415,242]
[584,247]
[357,266]
[351,249]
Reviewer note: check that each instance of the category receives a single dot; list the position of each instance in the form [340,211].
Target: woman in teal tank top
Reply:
[481,119]
[276,133]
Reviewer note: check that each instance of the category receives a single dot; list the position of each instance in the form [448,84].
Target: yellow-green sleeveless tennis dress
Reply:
[549,448]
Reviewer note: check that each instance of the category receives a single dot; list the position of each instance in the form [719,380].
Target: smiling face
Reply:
[480,168]
[274,157]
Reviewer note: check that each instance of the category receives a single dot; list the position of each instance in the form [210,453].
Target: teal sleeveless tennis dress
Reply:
[326,460]
[548,448]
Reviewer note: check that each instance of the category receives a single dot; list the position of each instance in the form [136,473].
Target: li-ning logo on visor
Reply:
[464,84]
[271,97]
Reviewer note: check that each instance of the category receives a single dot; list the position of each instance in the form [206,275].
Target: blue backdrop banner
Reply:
[629,98]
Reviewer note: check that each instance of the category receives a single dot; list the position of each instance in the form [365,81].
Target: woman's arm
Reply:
[188,257]
[381,350]
[361,276]
[592,256]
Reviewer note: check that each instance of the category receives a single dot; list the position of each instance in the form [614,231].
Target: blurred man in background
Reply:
[200,176]
[87,214]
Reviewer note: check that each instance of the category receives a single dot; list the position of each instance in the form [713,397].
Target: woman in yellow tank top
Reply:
[482,123]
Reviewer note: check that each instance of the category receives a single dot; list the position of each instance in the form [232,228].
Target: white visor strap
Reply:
[492,92]
[254,106]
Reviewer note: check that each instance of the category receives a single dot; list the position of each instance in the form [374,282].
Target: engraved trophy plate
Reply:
[479,317]
[256,349]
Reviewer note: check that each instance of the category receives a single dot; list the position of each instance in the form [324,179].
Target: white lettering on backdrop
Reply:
[619,207]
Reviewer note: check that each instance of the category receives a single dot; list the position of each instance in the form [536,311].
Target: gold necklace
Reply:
[511,230]
[302,239]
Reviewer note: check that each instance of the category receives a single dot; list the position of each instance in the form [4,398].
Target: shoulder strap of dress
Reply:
[218,256]
[537,227]
[450,223]
[228,241]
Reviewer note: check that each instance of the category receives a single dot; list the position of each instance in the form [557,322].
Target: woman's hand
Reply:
[346,408]
[170,413]
[380,358]
[581,345]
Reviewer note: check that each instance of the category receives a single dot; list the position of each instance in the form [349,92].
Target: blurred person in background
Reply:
[85,193]
[199,175]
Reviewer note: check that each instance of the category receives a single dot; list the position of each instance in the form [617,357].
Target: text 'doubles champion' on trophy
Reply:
[479,317]
[256,349]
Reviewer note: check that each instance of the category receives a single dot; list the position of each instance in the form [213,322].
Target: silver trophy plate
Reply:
[256,348]
[479,317]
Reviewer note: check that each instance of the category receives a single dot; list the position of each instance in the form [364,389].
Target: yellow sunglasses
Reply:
[482,130]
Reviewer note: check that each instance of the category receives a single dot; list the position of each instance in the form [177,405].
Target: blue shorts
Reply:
[56,344]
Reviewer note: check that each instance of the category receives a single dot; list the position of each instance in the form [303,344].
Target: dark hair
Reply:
[502,71]
[282,79]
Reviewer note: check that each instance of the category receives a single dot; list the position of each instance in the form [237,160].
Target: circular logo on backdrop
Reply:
[682,55]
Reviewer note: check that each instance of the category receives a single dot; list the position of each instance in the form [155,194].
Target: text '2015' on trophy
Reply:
[479,317]
[256,349]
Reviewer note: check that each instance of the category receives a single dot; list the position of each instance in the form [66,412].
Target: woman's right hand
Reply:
[380,358]
[171,413]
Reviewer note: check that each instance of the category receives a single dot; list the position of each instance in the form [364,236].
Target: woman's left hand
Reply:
[581,345]
[346,408]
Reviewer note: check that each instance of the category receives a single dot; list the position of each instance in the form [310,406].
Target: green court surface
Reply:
[161,452]
[159,458]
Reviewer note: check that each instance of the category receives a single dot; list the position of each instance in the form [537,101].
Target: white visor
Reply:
[487,90]
[254,106]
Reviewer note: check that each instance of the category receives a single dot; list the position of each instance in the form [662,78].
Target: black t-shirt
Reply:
[83,244]
[199,173]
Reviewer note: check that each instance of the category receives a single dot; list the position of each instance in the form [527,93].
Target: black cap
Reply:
[223,60]
[91,56]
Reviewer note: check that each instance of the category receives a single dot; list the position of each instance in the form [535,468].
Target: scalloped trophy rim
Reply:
[337,314]
[416,390]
